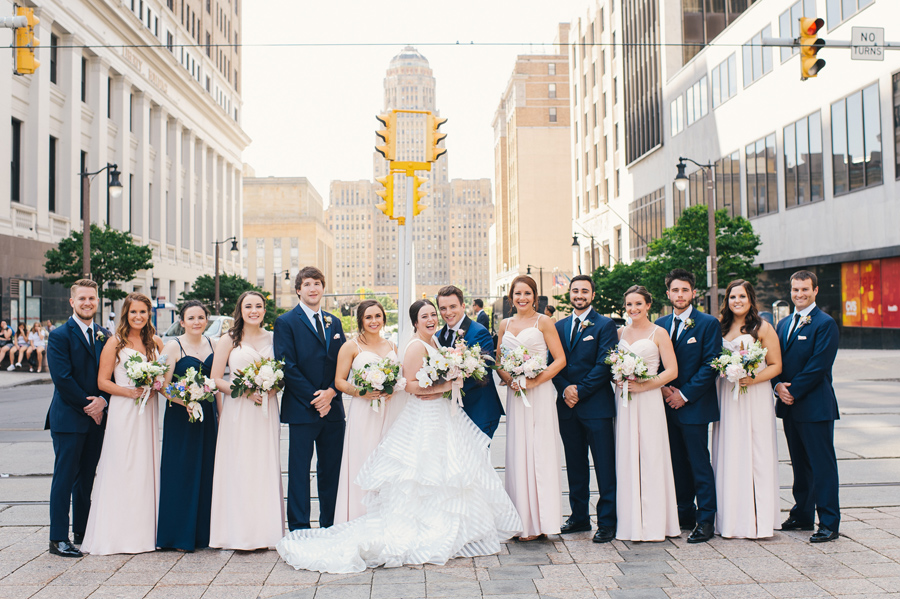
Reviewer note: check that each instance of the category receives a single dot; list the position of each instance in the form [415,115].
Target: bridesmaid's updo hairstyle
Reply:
[525,279]
[147,332]
[752,322]
[361,313]
[641,291]
[416,307]
[192,304]
[237,328]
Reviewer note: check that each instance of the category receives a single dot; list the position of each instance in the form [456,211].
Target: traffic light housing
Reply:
[387,193]
[810,44]
[419,194]
[433,137]
[26,43]
[388,135]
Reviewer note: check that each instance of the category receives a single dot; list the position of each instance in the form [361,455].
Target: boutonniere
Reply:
[585,324]
[460,333]
[804,321]
[100,337]
[327,321]
[689,324]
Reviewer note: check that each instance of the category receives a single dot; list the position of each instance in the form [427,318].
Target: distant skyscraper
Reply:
[451,236]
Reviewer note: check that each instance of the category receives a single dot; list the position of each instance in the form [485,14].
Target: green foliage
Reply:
[609,287]
[115,258]
[230,289]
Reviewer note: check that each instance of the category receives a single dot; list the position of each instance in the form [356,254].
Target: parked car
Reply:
[218,326]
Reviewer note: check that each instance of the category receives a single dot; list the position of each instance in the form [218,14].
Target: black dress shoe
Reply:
[77,538]
[823,535]
[702,533]
[793,524]
[64,549]
[604,534]
[572,526]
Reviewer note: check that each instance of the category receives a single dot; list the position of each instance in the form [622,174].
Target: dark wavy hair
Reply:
[361,313]
[192,304]
[147,332]
[752,322]
[237,328]
[416,306]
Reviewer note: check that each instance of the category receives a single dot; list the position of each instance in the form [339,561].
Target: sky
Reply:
[310,111]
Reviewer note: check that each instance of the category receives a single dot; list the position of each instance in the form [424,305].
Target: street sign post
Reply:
[867,43]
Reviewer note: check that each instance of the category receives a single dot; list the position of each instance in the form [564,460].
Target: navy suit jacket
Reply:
[483,320]
[73,368]
[696,378]
[481,401]
[586,367]
[807,358]
[309,365]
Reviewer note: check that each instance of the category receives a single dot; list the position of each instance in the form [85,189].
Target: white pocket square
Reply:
[337,336]
[692,340]
[800,338]
[588,338]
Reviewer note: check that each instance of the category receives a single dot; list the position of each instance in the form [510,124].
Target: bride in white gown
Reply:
[431,492]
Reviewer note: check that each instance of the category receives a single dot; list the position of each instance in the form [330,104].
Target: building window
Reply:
[789,23]
[757,58]
[856,141]
[131,203]
[803,161]
[728,184]
[131,112]
[696,101]
[553,115]
[762,194]
[551,68]
[208,44]
[896,88]
[54,42]
[83,164]
[724,80]
[647,216]
[15,163]
[83,79]
[551,91]
[51,167]
[703,21]
[838,11]
[170,42]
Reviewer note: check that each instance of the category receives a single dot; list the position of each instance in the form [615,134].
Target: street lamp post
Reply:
[712,267]
[576,250]
[287,277]
[113,190]
[234,250]
[541,270]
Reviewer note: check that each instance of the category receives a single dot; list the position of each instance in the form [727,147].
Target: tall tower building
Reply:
[450,236]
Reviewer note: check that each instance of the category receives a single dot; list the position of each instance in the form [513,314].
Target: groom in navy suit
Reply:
[586,405]
[308,340]
[691,405]
[808,408]
[481,401]
[77,417]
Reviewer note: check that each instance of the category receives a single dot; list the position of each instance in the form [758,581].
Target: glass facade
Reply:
[647,216]
[856,141]
[762,192]
[803,161]
[703,20]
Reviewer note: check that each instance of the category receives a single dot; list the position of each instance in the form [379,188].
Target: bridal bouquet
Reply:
[465,362]
[382,376]
[735,365]
[260,377]
[191,389]
[627,367]
[522,365]
[146,374]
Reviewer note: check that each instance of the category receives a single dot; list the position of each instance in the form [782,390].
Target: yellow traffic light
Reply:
[388,135]
[419,194]
[810,44]
[387,194]
[433,137]
[26,43]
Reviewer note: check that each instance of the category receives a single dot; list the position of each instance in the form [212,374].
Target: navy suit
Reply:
[589,425]
[309,365]
[77,439]
[481,401]
[483,320]
[807,357]
[688,427]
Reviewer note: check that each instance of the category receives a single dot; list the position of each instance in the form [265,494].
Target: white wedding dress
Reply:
[431,495]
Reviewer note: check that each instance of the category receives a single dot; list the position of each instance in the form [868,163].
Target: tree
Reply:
[115,258]
[230,289]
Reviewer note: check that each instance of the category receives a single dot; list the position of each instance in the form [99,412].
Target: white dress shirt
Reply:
[803,313]
[683,317]
[312,316]
[86,329]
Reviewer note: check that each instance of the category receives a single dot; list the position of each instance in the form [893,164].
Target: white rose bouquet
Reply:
[191,389]
[382,376]
[464,362]
[146,374]
[522,365]
[260,378]
[627,367]
[735,365]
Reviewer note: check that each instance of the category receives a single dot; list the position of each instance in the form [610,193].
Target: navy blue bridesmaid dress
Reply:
[186,469]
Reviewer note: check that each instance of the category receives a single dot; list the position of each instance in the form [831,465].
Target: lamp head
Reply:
[575,244]
[528,270]
[115,185]
[681,180]
[234,247]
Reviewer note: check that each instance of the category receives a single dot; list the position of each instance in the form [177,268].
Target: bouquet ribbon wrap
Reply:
[145,395]
[456,392]
[625,394]
[521,381]
[376,404]
[737,391]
